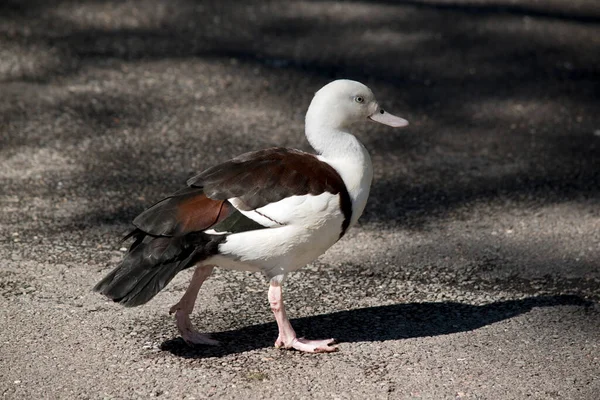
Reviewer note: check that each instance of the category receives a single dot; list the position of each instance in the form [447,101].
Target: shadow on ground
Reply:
[373,324]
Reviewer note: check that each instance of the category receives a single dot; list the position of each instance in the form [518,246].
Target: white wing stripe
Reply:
[295,210]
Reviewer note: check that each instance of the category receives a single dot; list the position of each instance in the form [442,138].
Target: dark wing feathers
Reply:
[267,176]
[153,263]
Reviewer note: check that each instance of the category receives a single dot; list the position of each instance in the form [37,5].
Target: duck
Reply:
[271,211]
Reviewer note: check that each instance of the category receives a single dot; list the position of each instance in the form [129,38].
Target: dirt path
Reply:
[474,272]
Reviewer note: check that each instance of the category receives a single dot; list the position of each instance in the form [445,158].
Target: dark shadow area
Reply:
[512,66]
[560,177]
[374,324]
[559,12]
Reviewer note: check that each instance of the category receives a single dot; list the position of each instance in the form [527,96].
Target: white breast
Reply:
[357,174]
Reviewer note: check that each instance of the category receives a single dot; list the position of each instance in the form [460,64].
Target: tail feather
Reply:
[152,263]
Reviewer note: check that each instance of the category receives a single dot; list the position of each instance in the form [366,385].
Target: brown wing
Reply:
[188,210]
[256,178]
[267,176]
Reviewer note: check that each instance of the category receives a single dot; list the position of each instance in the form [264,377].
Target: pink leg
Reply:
[287,336]
[185,306]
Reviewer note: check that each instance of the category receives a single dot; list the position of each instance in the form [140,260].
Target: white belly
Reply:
[303,228]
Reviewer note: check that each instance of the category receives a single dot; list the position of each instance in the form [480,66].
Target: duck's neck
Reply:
[348,156]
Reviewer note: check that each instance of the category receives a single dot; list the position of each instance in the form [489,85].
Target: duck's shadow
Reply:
[391,322]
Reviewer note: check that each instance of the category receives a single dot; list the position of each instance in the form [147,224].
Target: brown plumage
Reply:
[187,210]
[267,176]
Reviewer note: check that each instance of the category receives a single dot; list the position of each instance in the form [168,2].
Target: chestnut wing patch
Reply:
[188,210]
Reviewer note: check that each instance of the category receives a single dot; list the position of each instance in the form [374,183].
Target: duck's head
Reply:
[342,103]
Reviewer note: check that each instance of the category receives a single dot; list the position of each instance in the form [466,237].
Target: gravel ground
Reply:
[474,272]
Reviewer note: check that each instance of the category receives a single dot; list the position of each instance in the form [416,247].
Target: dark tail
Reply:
[152,262]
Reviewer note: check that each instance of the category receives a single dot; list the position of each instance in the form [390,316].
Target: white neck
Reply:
[347,156]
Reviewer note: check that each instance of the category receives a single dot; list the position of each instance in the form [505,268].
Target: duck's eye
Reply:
[359,99]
